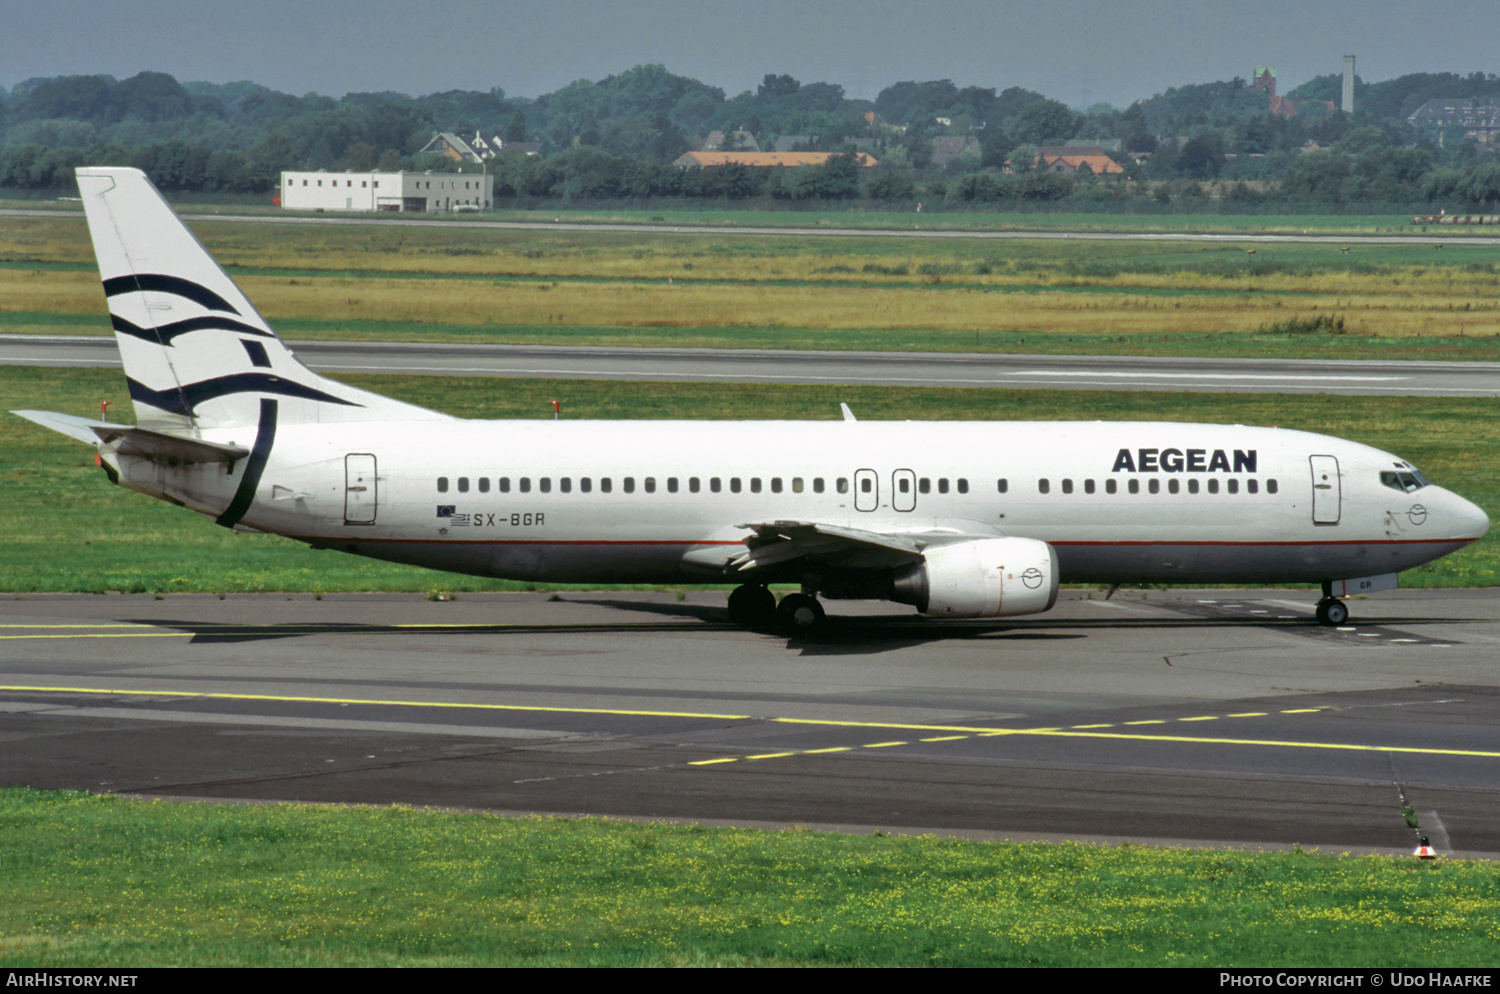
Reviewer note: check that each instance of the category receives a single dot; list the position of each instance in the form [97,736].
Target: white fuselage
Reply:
[1119,502]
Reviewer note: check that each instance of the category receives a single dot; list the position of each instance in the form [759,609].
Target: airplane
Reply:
[977,519]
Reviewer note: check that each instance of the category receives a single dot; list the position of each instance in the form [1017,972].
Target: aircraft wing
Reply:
[837,546]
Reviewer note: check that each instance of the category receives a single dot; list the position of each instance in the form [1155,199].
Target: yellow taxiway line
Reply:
[1076,731]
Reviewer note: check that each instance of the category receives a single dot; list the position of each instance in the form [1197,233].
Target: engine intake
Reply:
[985,578]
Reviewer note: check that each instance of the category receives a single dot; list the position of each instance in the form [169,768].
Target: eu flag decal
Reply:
[446,510]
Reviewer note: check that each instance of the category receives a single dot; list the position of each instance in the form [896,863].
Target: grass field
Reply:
[63,527]
[101,881]
[791,290]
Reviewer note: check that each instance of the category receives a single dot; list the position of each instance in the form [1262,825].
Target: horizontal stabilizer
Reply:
[132,441]
[70,425]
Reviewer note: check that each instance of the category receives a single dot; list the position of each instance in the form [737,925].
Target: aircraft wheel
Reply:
[1332,612]
[798,613]
[752,605]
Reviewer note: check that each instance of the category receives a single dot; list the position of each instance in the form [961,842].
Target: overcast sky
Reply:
[1077,51]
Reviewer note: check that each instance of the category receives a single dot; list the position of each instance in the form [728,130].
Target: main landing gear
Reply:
[755,607]
[798,613]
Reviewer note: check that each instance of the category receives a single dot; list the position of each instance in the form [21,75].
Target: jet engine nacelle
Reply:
[985,578]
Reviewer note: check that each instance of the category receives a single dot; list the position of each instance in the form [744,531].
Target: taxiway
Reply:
[1203,717]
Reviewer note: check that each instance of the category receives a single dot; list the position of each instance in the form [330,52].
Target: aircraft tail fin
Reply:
[196,353]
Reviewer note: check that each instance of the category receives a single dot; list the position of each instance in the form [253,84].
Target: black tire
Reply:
[798,613]
[752,605]
[1332,613]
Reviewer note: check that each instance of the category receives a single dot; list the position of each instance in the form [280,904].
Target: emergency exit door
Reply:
[904,490]
[866,490]
[1327,493]
[360,495]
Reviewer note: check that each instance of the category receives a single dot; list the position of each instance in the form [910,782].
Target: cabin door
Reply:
[866,490]
[1327,493]
[359,489]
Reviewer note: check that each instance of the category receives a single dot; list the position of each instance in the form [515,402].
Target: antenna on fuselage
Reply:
[848,414]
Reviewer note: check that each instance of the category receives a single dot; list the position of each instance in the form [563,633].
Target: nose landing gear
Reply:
[1332,612]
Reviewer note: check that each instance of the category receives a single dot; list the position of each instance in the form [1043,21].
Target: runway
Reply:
[1203,717]
[928,369]
[1448,237]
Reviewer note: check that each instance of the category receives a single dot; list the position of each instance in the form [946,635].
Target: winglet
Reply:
[848,414]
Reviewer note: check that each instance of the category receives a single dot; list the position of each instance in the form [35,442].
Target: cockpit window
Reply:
[1406,482]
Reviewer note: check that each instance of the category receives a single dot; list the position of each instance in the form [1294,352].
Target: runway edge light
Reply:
[1424,850]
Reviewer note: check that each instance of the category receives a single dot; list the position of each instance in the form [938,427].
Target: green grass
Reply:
[793,290]
[1295,338]
[101,881]
[865,215]
[63,527]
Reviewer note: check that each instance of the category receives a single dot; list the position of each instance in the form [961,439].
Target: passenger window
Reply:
[903,485]
[1110,486]
[963,486]
[755,484]
[734,484]
[1270,486]
[504,484]
[565,484]
[775,484]
[1135,486]
[942,484]
[1234,486]
[796,484]
[463,484]
[442,484]
[525,484]
[1043,486]
[1153,485]
[545,484]
[1192,486]
[924,486]
[484,484]
[692,484]
[865,484]
[1172,486]
[605,485]
[650,484]
[842,485]
[817,484]
[1002,485]
[1213,486]
[1067,486]
[714,484]
[1252,487]
[585,484]
[629,484]
[671,484]
[1088,486]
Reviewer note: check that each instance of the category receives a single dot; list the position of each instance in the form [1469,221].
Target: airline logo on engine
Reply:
[1184,461]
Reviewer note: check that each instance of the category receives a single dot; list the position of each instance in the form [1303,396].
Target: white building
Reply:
[409,192]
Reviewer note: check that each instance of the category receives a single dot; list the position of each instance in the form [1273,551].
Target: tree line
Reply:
[616,138]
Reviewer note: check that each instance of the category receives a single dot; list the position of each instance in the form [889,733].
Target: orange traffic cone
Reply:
[1425,851]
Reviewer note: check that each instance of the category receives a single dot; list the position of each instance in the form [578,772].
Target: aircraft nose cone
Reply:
[1470,519]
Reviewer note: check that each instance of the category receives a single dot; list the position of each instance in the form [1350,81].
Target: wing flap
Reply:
[777,542]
